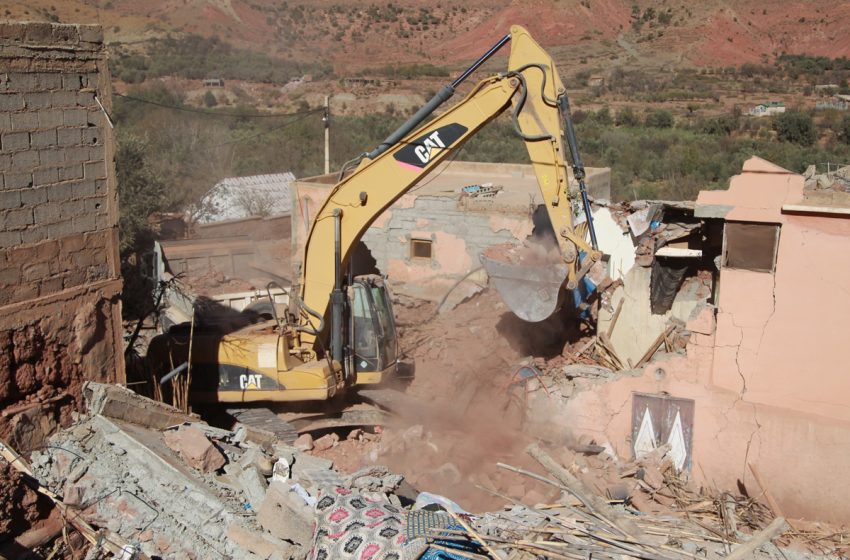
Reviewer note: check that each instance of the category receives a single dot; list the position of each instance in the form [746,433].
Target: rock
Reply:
[355,434]
[326,442]
[264,546]
[253,486]
[304,442]
[285,515]
[195,449]
[255,456]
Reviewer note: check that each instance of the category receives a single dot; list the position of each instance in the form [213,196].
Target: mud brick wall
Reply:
[60,319]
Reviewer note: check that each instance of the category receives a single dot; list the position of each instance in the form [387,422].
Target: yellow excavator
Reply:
[339,331]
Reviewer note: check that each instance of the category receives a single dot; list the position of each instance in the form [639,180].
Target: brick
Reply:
[18,218]
[96,118]
[92,136]
[73,82]
[71,172]
[60,99]
[23,81]
[14,32]
[100,187]
[86,99]
[75,117]
[11,102]
[97,153]
[45,176]
[10,200]
[35,101]
[76,154]
[60,192]
[10,238]
[38,33]
[50,285]
[5,162]
[33,196]
[50,118]
[48,213]
[35,271]
[10,276]
[91,33]
[95,170]
[5,122]
[43,138]
[15,141]
[97,272]
[61,229]
[85,222]
[51,156]
[96,206]
[69,136]
[25,161]
[24,121]
[73,209]
[85,188]
[17,180]
[102,221]
[66,34]
[195,449]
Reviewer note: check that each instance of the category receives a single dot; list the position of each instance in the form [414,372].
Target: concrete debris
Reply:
[194,447]
[304,442]
[326,442]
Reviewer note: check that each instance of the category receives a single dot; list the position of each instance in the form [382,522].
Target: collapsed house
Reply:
[752,390]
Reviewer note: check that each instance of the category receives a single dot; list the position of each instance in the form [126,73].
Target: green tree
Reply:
[659,118]
[141,191]
[796,127]
[844,130]
[209,99]
[626,117]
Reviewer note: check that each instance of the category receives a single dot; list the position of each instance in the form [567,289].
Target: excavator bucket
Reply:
[529,278]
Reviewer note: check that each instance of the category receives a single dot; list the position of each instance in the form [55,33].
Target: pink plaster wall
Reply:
[770,382]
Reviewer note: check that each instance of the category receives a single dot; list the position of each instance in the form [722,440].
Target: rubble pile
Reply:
[144,490]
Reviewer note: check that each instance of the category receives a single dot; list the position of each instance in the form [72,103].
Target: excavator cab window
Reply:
[374,337]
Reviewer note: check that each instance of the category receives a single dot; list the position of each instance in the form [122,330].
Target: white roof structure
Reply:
[243,197]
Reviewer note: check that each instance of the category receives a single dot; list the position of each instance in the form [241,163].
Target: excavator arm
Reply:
[535,91]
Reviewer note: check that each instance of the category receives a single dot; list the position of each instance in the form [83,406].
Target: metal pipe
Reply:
[441,97]
[337,296]
[173,373]
[578,166]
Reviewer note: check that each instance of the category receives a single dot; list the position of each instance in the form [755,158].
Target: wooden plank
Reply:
[746,550]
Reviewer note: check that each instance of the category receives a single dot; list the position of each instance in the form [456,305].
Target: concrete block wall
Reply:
[59,268]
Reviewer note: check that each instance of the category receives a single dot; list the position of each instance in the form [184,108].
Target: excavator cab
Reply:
[373,342]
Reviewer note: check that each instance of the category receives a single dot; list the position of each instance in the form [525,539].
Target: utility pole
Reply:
[326,118]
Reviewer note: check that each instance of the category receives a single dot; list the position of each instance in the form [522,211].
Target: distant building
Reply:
[236,198]
[214,82]
[596,81]
[768,109]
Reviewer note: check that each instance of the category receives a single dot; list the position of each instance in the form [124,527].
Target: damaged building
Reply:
[692,410]
[752,389]
[60,276]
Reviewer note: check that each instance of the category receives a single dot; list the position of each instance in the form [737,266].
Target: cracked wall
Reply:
[767,369]
[60,318]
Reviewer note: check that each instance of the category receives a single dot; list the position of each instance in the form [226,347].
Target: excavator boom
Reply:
[533,87]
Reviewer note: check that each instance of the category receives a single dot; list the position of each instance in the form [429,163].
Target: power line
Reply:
[218,113]
[269,131]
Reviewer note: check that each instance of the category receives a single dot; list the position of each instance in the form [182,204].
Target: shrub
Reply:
[796,127]
[659,118]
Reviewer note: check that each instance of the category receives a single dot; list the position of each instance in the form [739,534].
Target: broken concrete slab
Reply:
[263,545]
[194,447]
[285,515]
[120,403]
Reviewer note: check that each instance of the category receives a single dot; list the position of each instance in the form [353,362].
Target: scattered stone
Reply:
[254,456]
[326,442]
[304,442]
[355,434]
[254,486]
[195,449]
[285,515]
